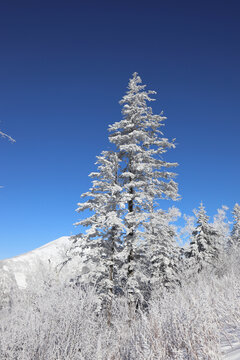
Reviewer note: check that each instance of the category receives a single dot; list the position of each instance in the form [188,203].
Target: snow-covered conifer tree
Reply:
[203,249]
[221,225]
[144,174]
[126,193]
[235,235]
[162,249]
[102,239]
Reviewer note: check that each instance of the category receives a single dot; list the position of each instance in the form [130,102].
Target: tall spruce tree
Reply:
[144,174]
[127,190]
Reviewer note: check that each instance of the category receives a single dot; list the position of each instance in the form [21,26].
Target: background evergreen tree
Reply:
[162,250]
[222,226]
[204,246]
[235,235]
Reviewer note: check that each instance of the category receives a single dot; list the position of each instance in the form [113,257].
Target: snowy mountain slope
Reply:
[39,265]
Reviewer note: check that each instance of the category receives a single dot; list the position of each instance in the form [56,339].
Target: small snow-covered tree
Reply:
[203,249]
[221,225]
[185,232]
[102,240]
[235,235]
[162,250]
[144,174]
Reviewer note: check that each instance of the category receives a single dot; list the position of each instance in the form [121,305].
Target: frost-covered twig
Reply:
[7,136]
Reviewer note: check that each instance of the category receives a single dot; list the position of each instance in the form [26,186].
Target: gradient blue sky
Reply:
[64,65]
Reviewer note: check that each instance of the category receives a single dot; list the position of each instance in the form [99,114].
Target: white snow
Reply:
[21,280]
[40,264]
[231,353]
[231,345]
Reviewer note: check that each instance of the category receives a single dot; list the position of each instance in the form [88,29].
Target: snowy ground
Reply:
[231,349]
[220,296]
[232,353]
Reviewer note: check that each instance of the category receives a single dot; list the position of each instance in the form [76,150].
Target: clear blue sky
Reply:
[64,65]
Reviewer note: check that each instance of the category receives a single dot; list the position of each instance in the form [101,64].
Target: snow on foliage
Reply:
[206,242]
[125,199]
[197,321]
[2,134]
[235,235]
[135,293]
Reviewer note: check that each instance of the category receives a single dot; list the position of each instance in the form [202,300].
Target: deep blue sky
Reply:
[64,65]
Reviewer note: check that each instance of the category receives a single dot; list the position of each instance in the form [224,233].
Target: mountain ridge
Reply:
[39,265]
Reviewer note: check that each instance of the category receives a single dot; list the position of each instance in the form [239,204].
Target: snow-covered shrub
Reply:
[63,324]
